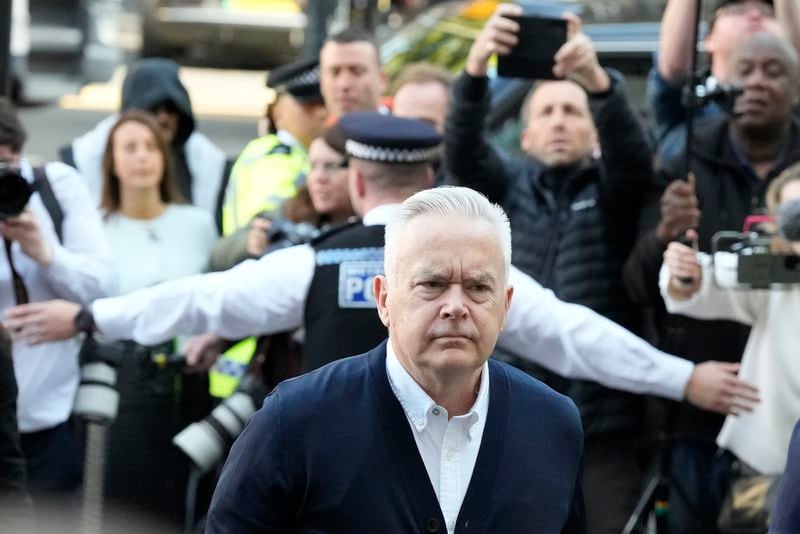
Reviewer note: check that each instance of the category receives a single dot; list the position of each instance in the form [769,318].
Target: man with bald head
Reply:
[730,21]
[572,203]
[422,92]
[735,157]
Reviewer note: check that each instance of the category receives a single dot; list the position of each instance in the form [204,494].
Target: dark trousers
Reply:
[54,465]
[612,479]
[53,459]
[704,475]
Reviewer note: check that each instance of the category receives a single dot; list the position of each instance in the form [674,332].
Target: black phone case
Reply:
[532,57]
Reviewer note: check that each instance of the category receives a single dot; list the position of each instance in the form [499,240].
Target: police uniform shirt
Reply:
[81,271]
[268,295]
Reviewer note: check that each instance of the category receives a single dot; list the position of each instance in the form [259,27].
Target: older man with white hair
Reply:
[432,426]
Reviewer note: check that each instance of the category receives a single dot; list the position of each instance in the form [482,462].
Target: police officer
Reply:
[327,285]
[270,168]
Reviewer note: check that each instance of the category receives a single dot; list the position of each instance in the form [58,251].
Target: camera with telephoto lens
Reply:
[750,259]
[98,399]
[15,191]
[712,90]
[206,442]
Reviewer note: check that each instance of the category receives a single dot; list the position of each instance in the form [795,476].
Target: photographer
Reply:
[734,160]
[731,20]
[56,257]
[760,438]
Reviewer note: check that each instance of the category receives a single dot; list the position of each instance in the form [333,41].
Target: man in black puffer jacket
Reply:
[573,220]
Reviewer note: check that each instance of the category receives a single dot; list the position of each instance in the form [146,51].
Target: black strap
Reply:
[20,291]
[42,185]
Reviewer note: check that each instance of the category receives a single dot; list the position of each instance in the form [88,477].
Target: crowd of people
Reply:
[585,263]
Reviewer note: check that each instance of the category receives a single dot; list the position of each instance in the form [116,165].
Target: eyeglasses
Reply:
[330,166]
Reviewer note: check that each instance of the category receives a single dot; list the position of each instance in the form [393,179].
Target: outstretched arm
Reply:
[256,297]
[576,342]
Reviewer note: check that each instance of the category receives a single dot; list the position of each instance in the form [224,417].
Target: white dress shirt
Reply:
[268,295]
[47,374]
[448,446]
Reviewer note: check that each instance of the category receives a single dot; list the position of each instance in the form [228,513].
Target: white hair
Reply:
[445,201]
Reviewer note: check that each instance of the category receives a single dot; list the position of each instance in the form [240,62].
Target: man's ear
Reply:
[524,139]
[509,293]
[380,291]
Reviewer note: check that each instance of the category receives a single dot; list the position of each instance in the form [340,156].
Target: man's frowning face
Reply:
[444,297]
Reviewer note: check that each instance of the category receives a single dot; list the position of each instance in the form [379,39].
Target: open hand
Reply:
[715,386]
[202,351]
[41,322]
[577,60]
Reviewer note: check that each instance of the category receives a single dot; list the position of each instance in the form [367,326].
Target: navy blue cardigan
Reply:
[332,451]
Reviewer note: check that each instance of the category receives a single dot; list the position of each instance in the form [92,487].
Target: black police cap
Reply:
[299,78]
[383,138]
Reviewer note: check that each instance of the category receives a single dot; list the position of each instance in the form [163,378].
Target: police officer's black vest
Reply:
[341,318]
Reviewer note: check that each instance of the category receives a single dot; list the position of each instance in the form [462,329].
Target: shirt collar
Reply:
[380,215]
[417,404]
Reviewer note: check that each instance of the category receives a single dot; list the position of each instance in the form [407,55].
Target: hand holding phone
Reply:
[498,36]
[539,39]
[577,59]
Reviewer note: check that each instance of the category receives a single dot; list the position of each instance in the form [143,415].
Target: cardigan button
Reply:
[432,525]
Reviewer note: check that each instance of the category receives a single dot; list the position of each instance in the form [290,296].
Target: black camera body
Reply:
[757,265]
[15,191]
[712,90]
[284,233]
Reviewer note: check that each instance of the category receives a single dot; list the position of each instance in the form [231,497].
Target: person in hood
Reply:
[153,85]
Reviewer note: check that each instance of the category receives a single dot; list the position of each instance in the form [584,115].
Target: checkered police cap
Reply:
[383,138]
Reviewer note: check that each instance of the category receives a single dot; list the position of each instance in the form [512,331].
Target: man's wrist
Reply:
[665,235]
[84,321]
[681,291]
[476,66]
[598,85]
